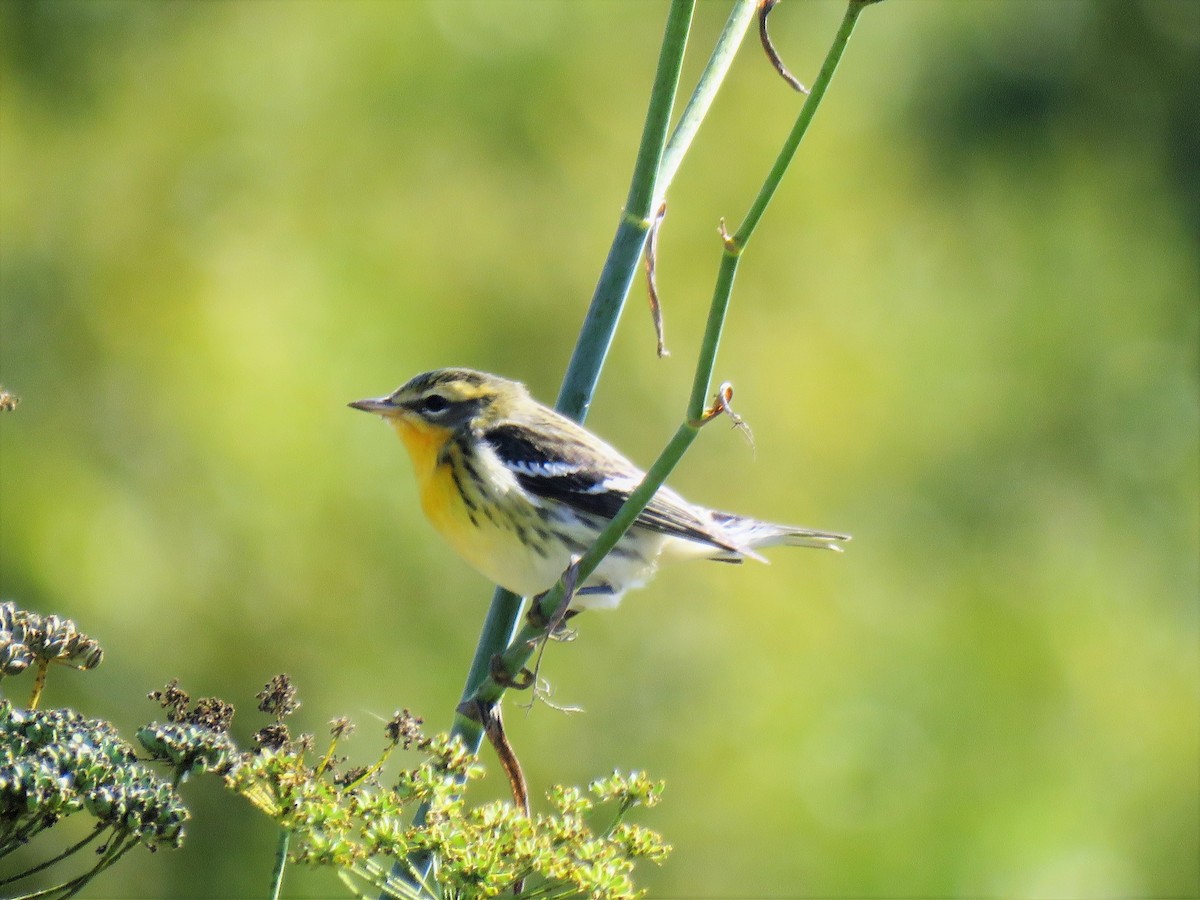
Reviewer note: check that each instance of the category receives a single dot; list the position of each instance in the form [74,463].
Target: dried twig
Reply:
[764,9]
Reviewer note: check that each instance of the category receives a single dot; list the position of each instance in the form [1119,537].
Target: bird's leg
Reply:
[553,624]
[522,681]
[534,617]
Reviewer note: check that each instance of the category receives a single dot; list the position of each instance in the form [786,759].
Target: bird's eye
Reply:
[434,403]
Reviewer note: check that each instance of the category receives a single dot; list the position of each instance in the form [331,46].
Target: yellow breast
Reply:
[440,498]
[488,547]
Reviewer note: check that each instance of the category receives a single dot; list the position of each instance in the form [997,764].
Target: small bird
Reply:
[519,490]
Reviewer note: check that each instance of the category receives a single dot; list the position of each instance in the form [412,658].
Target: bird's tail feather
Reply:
[753,534]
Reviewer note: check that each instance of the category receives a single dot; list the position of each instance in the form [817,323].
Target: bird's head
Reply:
[433,407]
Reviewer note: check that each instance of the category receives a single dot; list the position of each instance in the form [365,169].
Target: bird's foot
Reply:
[553,623]
[521,681]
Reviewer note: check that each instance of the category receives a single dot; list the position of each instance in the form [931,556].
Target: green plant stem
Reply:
[595,337]
[524,644]
[119,845]
[281,852]
[807,111]
[642,185]
[705,92]
[608,299]
[592,346]
[735,244]
[78,845]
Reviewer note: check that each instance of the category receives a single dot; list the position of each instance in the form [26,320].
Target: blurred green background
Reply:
[967,333]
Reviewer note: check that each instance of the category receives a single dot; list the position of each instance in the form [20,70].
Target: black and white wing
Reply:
[592,478]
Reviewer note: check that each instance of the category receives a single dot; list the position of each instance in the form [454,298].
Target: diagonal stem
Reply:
[574,399]
[591,348]
[522,646]
[596,335]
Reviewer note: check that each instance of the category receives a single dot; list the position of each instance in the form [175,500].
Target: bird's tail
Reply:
[753,534]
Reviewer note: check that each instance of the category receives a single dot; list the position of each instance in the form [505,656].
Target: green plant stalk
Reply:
[499,627]
[46,864]
[525,642]
[735,244]
[599,325]
[591,348]
[608,299]
[523,645]
[281,852]
[807,111]
[702,97]
[119,845]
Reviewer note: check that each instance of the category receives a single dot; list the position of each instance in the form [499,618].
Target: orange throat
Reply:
[440,498]
[423,442]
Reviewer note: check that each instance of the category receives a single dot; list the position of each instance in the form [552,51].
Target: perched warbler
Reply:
[519,490]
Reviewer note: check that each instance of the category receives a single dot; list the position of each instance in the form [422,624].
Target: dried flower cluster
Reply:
[55,763]
[26,638]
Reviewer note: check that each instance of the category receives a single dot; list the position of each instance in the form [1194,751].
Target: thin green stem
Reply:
[499,626]
[79,845]
[121,843]
[735,244]
[705,92]
[591,348]
[707,360]
[109,861]
[620,266]
[807,111]
[281,852]
[523,645]
[658,116]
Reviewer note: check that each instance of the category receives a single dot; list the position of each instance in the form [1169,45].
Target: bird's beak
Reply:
[381,405]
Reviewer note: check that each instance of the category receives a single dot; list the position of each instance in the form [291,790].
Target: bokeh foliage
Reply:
[967,333]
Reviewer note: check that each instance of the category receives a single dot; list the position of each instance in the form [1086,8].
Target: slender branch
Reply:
[595,337]
[722,292]
[499,626]
[735,245]
[524,644]
[640,202]
[78,845]
[120,843]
